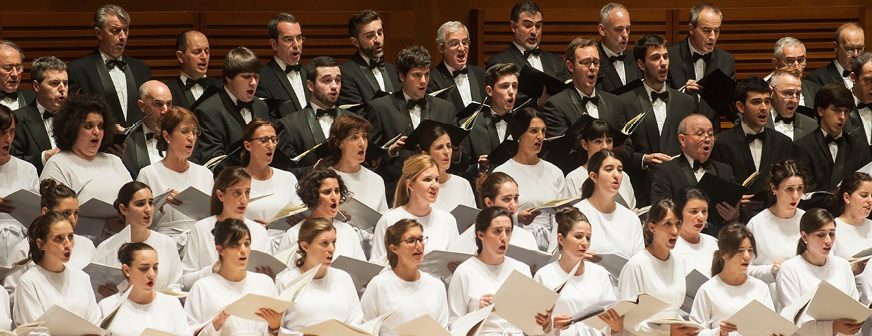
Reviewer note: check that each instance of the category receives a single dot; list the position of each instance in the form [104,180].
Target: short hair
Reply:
[227,178]
[310,229]
[834,94]
[394,235]
[342,127]
[12,45]
[578,42]
[40,229]
[72,114]
[109,9]
[182,40]
[645,42]
[272,28]
[430,135]
[172,119]
[310,183]
[414,56]
[846,26]
[697,10]
[484,219]
[40,65]
[361,18]
[449,27]
[787,41]
[778,74]
[607,10]
[782,170]
[859,62]
[524,7]
[685,195]
[7,118]
[811,221]
[682,125]
[240,60]
[521,120]
[751,84]
[53,192]
[319,62]
[497,71]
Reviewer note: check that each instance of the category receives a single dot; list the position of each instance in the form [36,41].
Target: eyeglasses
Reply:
[265,139]
[411,241]
[587,62]
[298,39]
[701,134]
[9,67]
[188,130]
[456,43]
[853,49]
[790,93]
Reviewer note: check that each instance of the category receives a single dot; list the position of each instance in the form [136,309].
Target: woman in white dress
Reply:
[596,136]
[730,289]
[417,190]
[51,283]
[145,307]
[693,246]
[777,227]
[853,202]
[657,271]
[475,281]
[618,229]
[331,294]
[135,203]
[232,281]
[15,174]
[405,290]
[5,314]
[175,173]
[271,189]
[229,200]
[589,285]
[436,140]
[322,191]
[539,181]
[813,263]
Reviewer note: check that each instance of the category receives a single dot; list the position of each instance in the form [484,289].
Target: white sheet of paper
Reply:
[103,275]
[676,321]
[362,216]
[361,271]
[552,205]
[27,206]
[195,203]
[829,303]
[612,262]
[692,281]
[92,217]
[258,259]
[757,319]
[154,332]
[62,322]
[533,258]
[290,213]
[470,324]
[246,306]
[297,286]
[334,328]
[634,311]
[520,298]
[441,264]
[423,325]
[374,326]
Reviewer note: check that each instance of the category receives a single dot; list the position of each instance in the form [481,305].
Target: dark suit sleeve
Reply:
[555,124]
[661,186]
[212,140]
[74,78]
[350,92]
[802,157]
[23,148]
[376,134]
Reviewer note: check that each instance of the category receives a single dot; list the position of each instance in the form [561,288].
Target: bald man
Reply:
[11,68]
[193,54]
[848,42]
[141,146]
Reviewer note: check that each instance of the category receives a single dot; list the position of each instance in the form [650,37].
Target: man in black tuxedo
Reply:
[697,56]
[491,127]
[467,80]
[617,67]
[284,77]
[366,74]
[830,153]
[860,120]
[223,115]
[786,90]
[11,68]
[193,53]
[849,42]
[790,55]
[107,72]
[34,142]
[155,99]
[655,140]
[565,108]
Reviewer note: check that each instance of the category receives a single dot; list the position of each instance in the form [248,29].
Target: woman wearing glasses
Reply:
[271,189]
[405,290]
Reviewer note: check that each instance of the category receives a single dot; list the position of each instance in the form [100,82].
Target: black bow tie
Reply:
[121,65]
[411,103]
[295,67]
[697,165]
[862,105]
[751,137]
[616,58]
[244,105]
[463,71]
[505,117]
[705,58]
[535,51]
[47,115]
[846,73]
[11,95]
[377,64]
[664,96]
[190,82]
[786,120]
[585,100]
[320,113]
[149,136]
[830,139]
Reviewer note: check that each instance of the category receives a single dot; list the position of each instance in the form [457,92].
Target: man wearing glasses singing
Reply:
[11,69]
[787,88]
[284,77]
[789,54]
[468,80]
[849,43]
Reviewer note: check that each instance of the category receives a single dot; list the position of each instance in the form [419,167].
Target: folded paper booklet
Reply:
[720,190]
[444,93]
[302,155]
[469,114]
[441,264]
[62,322]
[361,271]
[464,216]
[374,326]
[154,332]
[829,304]
[534,258]
[676,321]
[362,216]
[553,205]
[520,298]
[102,275]
[470,324]
[258,259]
[26,329]
[633,311]
[195,203]
[612,262]
[27,206]
[297,286]
[757,319]
[393,140]
[692,282]
[335,328]
[423,325]
[92,217]
[634,123]
[861,256]
[531,81]
[173,292]
[247,306]
[291,213]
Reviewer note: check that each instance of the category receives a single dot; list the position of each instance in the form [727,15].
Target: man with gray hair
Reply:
[34,141]
[789,54]
[617,67]
[11,68]
[117,77]
[848,42]
[455,70]
[284,77]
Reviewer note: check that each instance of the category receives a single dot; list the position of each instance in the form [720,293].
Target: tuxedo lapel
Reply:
[685,62]
[108,89]
[686,171]
[35,124]
[187,92]
[475,86]
[576,102]
[314,126]
[133,112]
[282,78]
[650,121]
[366,72]
[231,109]
[745,149]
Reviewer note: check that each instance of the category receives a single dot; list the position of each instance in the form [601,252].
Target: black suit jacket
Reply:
[813,153]
[609,80]
[222,126]
[274,84]
[681,69]
[440,78]
[564,109]
[827,74]
[731,146]
[552,64]
[669,178]
[854,125]
[802,125]
[89,74]
[809,90]
[359,84]
[482,140]
[300,131]
[31,137]
[183,97]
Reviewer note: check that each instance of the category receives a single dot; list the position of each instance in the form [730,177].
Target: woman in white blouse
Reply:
[331,294]
[51,283]
[405,290]
[15,174]
[417,190]
[596,136]
[435,140]
[232,281]
[777,227]
[475,281]
[145,307]
[693,246]
[618,229]
[656,271]
[853,202]
[229,200]
[730,289]
[801,274]
[175,173]
[271,189]
[589,285]
[135,203]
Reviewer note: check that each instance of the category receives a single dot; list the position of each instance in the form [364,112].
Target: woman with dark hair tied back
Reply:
[229,200]
[404,289]
[475,280]
[657,271]
[693,246]
[853,203]
[453,190]
[589,285]
[331,294]
[51,283]
[777,227]
[800,275]
[145,307]
[730,288]
[271,188]
[596,136]
[231,281]
[135,203]
[15,174]
[618,229]
[175,172]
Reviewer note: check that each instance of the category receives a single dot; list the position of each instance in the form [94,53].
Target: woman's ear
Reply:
[304,246]
[43,211]
[394,248]
[220,195]
[126,270]
[122,209]
[488,202]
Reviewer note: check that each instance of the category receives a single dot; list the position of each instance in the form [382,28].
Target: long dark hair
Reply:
[343,126]
[596,162]
[228,177]
[483,221]
[811,221]
[781,171]
[729,240]
[39,230]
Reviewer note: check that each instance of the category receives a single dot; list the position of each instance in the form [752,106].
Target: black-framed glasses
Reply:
[265,139]
[414,240]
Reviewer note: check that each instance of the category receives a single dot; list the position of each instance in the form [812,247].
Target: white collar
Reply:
[107,57]
[232,97]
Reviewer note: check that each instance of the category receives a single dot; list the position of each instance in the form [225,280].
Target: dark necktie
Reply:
[664,96]
[535,51]
[243,105]
[320,113]
[411,103]
[616,58]
[190,82]
[786,120]
[47,115]
[377,64]
[846,73]
[505,117]
[11,95]
[862,105]
[121,65]
[295,67]
[830,139]
[705,58]
[463,71]
[751,137]
[697,165]
[585,100]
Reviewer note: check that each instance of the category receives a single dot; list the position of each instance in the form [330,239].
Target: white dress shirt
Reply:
[848,82]
[782,127]
[414,113]
[49,129]
[246,114]
[11,103]
[501,127]
[462,82]
[196,90]
[590,106]
[696,173]
[755,146]
[325,121]
[658,105]
[533,59]
[119,80]
[151,144]
[834,148]
[296,80]
[866,117]
[699,65]
[618,64]
[377,73]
